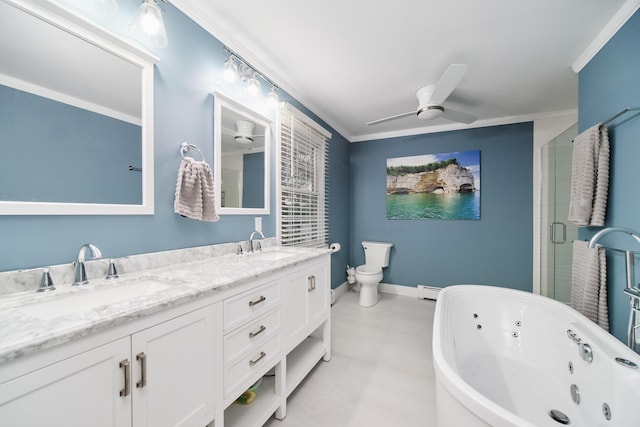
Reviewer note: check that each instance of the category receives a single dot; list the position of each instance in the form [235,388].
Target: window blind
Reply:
[303,166]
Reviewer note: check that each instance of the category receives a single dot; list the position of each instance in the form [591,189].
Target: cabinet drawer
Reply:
[242,340]
[239,376]
[249,305]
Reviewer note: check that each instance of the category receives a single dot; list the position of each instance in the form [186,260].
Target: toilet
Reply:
[376,256]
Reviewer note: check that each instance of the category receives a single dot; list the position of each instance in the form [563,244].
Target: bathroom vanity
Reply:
[174,345]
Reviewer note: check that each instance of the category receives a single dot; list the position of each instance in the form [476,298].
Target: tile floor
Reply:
[381,371]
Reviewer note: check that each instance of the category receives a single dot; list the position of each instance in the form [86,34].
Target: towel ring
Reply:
[185,146]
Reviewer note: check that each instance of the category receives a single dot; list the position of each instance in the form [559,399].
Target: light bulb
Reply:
[148,20]
[230,72]
[253,86]
[272,98]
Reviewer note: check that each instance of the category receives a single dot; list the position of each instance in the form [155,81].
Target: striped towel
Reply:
[194,191]
[590,177]
[589,283]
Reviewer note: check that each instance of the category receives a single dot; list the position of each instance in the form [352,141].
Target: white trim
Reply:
[460,126]
[613,26]
[341,289]
[222,100]
[406,291]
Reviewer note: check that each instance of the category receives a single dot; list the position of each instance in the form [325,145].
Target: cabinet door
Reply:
[83,390]
[294,308]
[173,373]
[318,295]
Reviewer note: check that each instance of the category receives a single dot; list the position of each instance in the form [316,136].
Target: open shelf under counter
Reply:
[302,359]
[259,411]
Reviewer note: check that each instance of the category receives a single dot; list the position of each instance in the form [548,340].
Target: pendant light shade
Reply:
[148,22]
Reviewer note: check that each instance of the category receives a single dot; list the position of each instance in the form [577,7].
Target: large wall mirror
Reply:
[76,115]
[242,145]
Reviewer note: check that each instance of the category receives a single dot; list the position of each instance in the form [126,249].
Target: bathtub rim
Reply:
[483,407]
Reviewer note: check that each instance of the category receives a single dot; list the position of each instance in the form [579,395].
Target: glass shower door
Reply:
[557,232]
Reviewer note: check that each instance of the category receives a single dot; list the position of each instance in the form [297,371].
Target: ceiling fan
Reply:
[243,134]
[431,98]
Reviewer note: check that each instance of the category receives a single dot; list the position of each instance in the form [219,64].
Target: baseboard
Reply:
[408,291]
[342,289]
[388,288]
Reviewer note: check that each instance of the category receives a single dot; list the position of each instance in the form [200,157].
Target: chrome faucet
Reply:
[258,248]
[81,274]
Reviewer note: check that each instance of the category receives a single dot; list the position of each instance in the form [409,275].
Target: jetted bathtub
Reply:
[510,358]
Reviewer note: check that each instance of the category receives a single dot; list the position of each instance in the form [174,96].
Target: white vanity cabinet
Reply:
[79,391]
[306,320]
[172,376]
[180,366]
[159,376]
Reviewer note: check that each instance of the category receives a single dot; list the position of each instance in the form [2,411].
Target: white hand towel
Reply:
[194,191]
[590,177]
[589,283]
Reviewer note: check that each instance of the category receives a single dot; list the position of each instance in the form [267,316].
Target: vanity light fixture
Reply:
[272,97]
[235,66]
[148,22]
[230,72]
[253,85]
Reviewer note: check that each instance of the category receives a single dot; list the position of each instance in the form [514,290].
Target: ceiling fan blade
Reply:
[458,116]
[448,83]
[397,116]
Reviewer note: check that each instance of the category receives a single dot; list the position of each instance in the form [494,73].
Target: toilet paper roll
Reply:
[335,247]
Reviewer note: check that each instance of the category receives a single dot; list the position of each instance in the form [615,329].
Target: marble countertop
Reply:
[31,322]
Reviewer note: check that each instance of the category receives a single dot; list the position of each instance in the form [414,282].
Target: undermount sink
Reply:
[86,299]
[271,256]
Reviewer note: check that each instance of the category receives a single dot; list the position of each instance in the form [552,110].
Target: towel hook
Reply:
[185,146]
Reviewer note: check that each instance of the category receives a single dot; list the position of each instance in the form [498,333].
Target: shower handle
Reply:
[552,233]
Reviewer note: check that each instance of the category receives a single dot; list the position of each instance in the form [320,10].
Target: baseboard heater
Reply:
[428,292]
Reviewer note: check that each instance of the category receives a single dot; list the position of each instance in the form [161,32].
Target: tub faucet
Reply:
[81,274]
[258,247]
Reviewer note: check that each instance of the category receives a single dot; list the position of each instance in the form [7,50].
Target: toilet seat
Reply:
[367,270]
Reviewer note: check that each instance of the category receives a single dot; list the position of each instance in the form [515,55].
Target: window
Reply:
[303,161]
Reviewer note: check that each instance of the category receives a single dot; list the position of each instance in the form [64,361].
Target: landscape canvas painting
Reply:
[434,186]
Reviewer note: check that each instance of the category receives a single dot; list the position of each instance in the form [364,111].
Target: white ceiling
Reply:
[353,61]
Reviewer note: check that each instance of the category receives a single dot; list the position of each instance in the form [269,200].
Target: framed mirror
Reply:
[76,116]
[242,141]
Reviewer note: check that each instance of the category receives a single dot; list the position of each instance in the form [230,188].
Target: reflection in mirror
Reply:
[76,106]
[242,141]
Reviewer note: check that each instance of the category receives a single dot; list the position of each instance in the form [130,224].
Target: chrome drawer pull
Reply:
[258,332]
[143,370]
[253,362]
[257,301]
[126,390]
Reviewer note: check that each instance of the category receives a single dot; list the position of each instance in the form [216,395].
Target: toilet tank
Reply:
[377,253]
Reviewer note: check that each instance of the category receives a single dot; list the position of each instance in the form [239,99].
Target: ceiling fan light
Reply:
[430,112]
[244,132]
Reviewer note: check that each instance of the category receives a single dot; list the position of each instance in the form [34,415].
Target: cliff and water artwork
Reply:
[434,186]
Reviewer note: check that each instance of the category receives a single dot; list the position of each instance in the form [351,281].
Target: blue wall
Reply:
[184,78]
[607,84]
[495,250]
